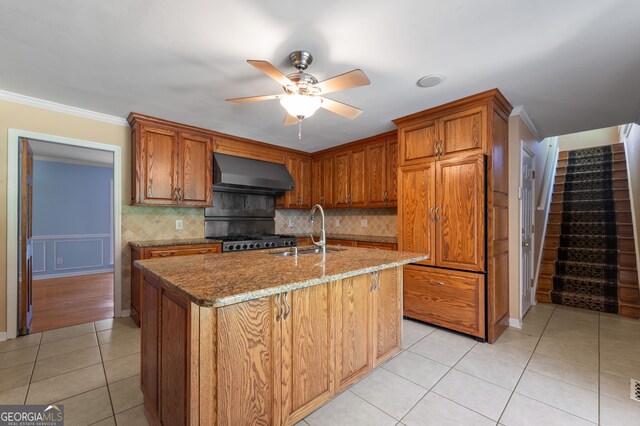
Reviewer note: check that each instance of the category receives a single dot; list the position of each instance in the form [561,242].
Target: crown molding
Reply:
[522,113]
[65,109]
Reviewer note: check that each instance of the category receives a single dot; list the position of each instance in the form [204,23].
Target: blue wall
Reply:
[71,218]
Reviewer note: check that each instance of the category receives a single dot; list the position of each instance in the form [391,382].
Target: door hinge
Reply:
[531,282]
[533,229]
[533,174]
[519,193]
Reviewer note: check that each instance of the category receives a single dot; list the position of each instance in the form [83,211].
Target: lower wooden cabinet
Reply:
[139,253]
[267,361]
[450,299]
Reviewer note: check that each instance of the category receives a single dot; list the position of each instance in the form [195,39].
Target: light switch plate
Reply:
[178,224]
[337,223]
[363,223]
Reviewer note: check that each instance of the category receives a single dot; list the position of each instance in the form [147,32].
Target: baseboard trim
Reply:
[125,313]
[3,336]
[73,274]
[515,322]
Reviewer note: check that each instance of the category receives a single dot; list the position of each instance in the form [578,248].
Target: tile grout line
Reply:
[33,369]
[104,371]
[525,367]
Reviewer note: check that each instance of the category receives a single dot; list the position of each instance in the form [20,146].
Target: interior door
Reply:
[526,220]
[25,277]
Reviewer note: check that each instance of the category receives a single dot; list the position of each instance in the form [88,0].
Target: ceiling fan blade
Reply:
[271,71]
[253,99]
[340,108]
[290,120]
[344,81]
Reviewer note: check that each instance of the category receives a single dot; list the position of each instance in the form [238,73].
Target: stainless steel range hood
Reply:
[238,174]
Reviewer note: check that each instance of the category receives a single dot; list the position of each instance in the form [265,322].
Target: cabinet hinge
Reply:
[533,174]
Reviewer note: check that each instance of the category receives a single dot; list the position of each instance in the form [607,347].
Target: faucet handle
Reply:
[319,243]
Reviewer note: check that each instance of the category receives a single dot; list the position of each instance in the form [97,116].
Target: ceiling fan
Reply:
[302,96]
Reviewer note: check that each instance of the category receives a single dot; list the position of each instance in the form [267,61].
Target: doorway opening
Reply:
[64,225]
[527,218]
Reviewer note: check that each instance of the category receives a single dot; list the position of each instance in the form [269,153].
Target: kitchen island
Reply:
[259,338]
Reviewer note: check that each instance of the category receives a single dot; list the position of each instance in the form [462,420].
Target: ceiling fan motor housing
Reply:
[301,59]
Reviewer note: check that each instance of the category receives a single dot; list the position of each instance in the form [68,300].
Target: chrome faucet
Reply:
[323,236]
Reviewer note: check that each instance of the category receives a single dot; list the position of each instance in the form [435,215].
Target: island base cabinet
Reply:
[451,299]
[266,361]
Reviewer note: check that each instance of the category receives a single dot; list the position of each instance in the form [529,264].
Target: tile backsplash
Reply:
[381,221]
[154,223]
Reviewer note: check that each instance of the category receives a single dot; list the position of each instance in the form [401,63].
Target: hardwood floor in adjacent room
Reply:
[61,302]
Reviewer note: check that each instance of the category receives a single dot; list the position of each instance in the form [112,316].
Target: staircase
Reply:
[589,256]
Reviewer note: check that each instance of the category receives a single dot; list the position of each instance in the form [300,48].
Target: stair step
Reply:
[591,184]
[580,285]
[617,173]
[568,254]
[588,205]
[589,241]
[616,147]
[585,301]
[598,271]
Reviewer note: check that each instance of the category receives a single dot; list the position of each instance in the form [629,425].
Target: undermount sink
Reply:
[317,250]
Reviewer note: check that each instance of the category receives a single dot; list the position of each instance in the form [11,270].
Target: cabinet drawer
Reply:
[182,251]
[450,299]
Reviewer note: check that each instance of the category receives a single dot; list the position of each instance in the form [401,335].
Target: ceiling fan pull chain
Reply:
[300,129]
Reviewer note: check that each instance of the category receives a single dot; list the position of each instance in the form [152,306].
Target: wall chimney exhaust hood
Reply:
[238,174]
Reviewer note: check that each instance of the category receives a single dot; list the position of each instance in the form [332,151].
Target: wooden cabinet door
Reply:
[415,210]
[150,319]
[304,181]
[248,363]
[460,229]
[155,174]
[307,351]
[195,170]
[376,180]
[174,362]
[328,170]
[357,178]
[353,334]
[392,172]
[463,132]
[317,179]
[342,184]
[450,299]
[387,315]
[418,143]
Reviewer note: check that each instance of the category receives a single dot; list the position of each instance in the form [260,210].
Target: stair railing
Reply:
[544,201]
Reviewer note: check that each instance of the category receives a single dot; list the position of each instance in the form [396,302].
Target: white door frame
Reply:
[524,148]
[12,218]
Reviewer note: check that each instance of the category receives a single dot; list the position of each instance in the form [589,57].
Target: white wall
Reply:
[588,139]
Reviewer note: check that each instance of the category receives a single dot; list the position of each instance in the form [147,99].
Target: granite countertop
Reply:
[175,242]
[356,237]
[223,279]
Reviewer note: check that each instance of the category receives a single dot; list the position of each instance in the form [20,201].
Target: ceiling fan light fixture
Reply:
[301,106]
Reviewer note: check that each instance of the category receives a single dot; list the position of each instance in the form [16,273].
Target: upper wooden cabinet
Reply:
[170,166]
[322,178]
[349,178]
[438,138]
[300,169]
[382,173]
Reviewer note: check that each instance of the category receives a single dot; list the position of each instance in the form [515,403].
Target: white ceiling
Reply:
[573,64]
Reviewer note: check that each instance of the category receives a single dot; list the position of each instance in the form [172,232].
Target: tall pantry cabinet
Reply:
[452,205]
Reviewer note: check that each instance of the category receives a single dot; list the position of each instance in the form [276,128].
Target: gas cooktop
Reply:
[255,242]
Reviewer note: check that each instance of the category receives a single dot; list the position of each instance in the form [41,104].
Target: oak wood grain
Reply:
[460,230]
[416,201]
[196,166]
[376,181]
[387,317]
[353,332]
[246,363]
[450,299]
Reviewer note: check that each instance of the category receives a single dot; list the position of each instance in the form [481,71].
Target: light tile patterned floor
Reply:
[564,367]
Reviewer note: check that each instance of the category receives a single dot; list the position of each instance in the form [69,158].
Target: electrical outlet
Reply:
[290,223]
[337,223]
[178,224]
[363,223]
[59,261]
